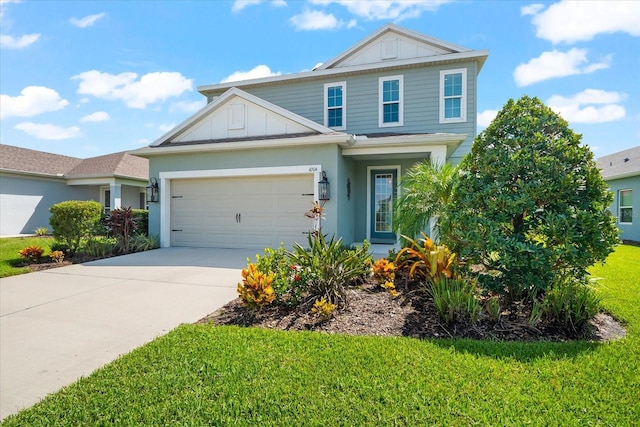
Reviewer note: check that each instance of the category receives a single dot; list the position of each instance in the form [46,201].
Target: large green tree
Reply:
[530,205]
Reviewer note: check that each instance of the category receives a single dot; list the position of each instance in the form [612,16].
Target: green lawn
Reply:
[9,256]
[203,375]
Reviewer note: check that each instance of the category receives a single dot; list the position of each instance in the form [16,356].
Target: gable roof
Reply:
[622,164]
[430,51]
[420,46]
[217,120]
[33,162]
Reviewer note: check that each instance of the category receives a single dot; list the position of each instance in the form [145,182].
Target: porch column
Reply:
[116,196]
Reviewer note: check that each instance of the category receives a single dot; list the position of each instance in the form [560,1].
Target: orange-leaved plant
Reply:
[384,272]
[32,253]
[256,288]
[426,260]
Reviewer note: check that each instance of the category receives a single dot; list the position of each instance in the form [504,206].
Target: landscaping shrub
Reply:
[141,217]
[32,253]
[426,261]
[426,191]
[75,220]
[121,224]
[529,205]
[256,290]
[329,268]
[98,247]
[571,303]
[455,299]
[384,273]
[142,242]
[41,231]
[288,281]
[57,256]
[323,309]
[57,245]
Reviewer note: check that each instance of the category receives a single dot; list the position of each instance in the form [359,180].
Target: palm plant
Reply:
[426,191]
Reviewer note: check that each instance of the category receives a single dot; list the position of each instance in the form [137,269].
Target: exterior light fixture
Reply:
[152,191]
[323,188]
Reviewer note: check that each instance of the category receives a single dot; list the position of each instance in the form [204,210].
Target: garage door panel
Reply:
[271,211]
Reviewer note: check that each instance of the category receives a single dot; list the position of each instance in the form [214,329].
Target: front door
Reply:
[383,186]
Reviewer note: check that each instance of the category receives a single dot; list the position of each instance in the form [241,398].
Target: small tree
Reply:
[122,224]
[530,206]
[74,220]
[426,191]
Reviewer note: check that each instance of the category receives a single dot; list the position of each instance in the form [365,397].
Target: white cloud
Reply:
[148,89]
[33,100]
[98,116]
[48,131]
[396,10]
[87,21]
[486,117]
[238,5]
[556,64]
[572,21]
[11,42]
[531,9]
[143,141]
[188,107]
[255,73]
[589,106]
[315,20]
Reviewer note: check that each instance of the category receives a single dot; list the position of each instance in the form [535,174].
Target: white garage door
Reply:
[241,212]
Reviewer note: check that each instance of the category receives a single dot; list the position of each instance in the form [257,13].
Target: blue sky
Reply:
[96,77]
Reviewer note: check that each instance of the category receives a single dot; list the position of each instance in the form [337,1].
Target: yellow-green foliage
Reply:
[426,260]
[32,253]
[323,308]
[384,272]
[255,289]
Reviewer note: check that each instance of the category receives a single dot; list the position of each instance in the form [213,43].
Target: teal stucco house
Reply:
[242,171]
[621,170]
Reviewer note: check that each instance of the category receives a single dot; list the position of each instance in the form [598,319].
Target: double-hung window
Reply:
[391,99]
[453,96]
[335,102]
[625,206]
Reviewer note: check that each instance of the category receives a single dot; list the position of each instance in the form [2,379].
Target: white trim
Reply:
[463,97]
[369,170]
[166,177]
[400,101]
[625,206]
[343,85]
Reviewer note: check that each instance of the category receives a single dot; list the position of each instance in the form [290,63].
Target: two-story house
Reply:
[243,170]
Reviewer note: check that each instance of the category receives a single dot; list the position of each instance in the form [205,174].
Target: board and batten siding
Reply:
[421,101]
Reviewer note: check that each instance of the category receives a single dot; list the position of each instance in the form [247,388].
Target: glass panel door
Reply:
[383,194]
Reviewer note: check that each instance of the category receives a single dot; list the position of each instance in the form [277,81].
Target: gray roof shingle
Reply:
[24,160]
[621,164]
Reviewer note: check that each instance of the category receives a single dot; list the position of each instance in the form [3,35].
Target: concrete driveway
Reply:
[60,324]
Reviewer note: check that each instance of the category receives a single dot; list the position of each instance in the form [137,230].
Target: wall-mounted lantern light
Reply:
[323,188]
[152,191]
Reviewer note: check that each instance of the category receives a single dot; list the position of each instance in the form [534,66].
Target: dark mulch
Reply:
[46,263]
[373,311]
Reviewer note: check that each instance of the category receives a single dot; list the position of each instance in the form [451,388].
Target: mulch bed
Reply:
[373,311]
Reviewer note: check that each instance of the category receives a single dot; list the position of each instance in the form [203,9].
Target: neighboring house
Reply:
[622,172]
[31,181]
[243,170]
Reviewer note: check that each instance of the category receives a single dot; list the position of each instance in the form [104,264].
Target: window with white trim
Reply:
[335,103]
[625,206]
[453,95]
[390,112]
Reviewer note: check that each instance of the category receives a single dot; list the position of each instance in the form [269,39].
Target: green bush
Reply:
[571,303]
[288,283]
[141,217]
[75,220]
[455,300]
[142,242]
[328,268]
[529,205]
[98,247]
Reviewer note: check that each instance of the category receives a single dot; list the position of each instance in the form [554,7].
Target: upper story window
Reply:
[335,101]
[625,206]
[453,96]
[390,111]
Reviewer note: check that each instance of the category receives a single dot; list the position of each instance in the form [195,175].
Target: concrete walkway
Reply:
[60,324]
